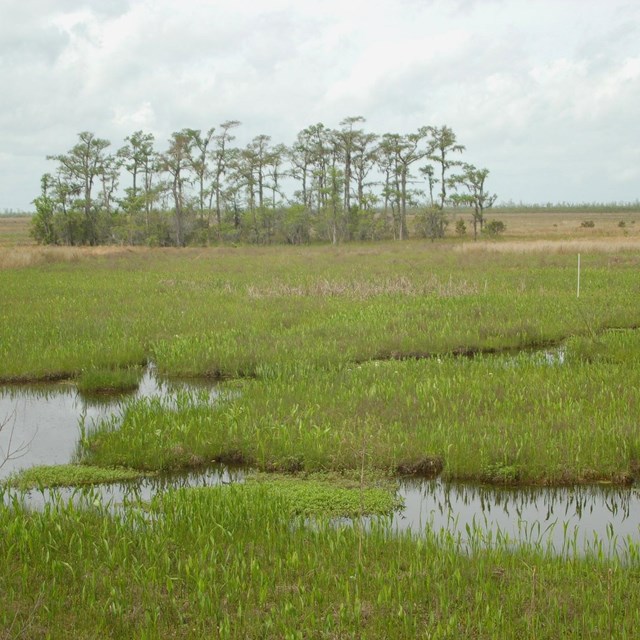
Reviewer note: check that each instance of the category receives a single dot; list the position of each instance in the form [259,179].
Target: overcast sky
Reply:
[544,93]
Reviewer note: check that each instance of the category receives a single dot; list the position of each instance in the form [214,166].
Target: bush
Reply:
[494,228]
[588,224]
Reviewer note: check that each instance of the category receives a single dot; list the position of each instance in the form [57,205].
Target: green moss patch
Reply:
[69,475]
[332,495]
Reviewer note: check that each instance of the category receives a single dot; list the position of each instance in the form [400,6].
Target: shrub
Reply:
[494,228]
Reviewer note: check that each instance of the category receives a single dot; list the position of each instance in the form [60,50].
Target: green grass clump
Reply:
[613,347]
[98,381]
[69,475]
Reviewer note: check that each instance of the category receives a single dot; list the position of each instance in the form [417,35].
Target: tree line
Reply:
[331,185]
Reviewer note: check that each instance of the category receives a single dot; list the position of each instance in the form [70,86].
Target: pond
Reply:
[42,426]
[569,519]
[42,421]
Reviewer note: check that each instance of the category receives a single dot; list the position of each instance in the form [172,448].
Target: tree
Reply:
[443,144]
[363,160]
[347,141]
[222,157]
[398,154]
[322,150]
[301,157]
[434,223]
[80,167]
[429,172]
[477,198]
[141,161]
[176,162]
[252,168]
[494,228]
[43,222]
[198,163]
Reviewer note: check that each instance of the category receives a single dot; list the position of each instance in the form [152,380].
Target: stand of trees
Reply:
[331,185]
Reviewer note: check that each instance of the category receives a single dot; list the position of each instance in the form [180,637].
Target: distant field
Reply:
[14,231]
[568,224]
[520,225]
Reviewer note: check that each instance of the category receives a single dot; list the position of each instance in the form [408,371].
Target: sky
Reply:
[543,93]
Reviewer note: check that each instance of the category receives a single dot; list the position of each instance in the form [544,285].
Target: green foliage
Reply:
[109,380]
[230,562]
[494,228]
[461,228]
[69,475]
[500,473]
[329,495]
[433,223]
[587,224]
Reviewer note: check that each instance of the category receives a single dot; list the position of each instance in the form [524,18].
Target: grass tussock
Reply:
[109,381]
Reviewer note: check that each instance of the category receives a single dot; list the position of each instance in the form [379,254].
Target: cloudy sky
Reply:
[544,93]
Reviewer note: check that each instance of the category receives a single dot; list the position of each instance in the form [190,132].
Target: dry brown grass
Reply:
[358,289]
[29,256]
[575,245]
[546,232]
[14,231]
[567,224]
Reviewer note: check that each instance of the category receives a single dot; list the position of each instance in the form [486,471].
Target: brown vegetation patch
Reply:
[19,257]
[595,245]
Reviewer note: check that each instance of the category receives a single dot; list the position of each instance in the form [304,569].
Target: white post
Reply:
[578,293]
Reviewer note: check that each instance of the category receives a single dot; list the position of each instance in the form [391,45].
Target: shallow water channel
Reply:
[42,421]
[41,424]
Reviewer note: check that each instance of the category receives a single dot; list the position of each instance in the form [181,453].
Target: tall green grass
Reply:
[528,418]
[234,562]
[227,313]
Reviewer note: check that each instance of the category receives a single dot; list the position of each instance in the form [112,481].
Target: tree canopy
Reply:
[330,185]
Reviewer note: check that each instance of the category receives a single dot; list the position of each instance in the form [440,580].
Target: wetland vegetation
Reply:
[475,361]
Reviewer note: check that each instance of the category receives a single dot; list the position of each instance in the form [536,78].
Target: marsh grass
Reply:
[528,419]
[230,562]
[237,312]
[109,381]
[344,359]
[331,494]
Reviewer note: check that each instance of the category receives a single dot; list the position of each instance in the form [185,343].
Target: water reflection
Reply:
[41,421]
[569,519]
[118,494]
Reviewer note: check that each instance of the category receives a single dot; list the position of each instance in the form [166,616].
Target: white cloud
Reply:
[545,94]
